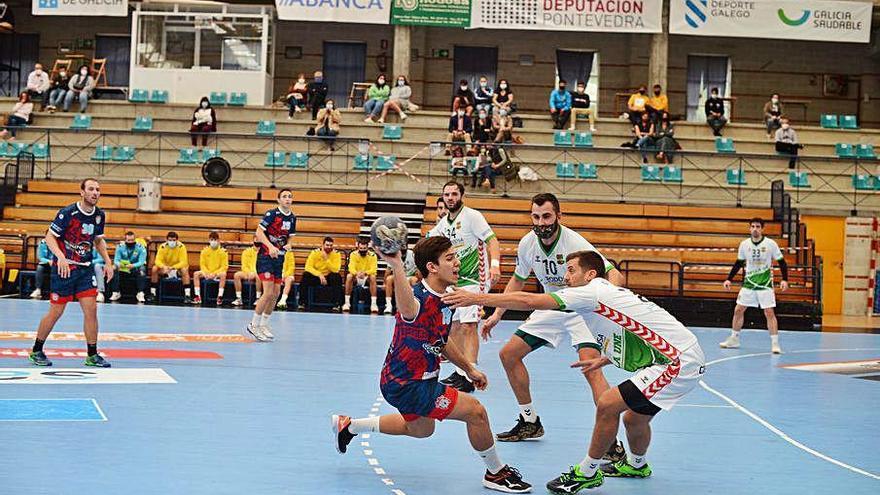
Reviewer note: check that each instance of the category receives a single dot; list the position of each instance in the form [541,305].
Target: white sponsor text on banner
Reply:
[614,16]
[116,8]
[815,20]
[360,11]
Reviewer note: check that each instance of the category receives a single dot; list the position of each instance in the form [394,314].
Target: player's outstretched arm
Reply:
[514,300]
[513,285]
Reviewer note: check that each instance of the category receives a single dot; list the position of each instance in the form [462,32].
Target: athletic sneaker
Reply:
[39,358]
[344,437]
[623,469]
[615,453]
[732,342]
[774,347]
[267,332]
[37,294]
[96,361]
[387,309]
[374,308]
[507,480]
[197,300]
[237,302]
[523,430]
[282,304]
[99,297]
[255,331]
[346,308]
[115,297]
[574,481]
[140,298]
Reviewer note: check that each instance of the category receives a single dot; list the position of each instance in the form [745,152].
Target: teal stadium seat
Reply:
[298,159]
[103,152]
[650,173]
[671,173]
[143,123]
[139,96]
[844,150]
[237,99]
[16,148]
[865,151]
[798,179]
[159,96]
[40,150]
[863,182]
[392,132]
[81,121]
[562,138]
[218,98]
[123,154]
[188,156]
[385,162]
[266,128]
[849,122]
[828,121]
[587,171]
[564,170]
[583,140]
[275,158]
[362,162]
[209,153]
[724,145]
[736,177]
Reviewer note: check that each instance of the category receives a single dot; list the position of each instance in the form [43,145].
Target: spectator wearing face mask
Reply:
[317,93]
[482,128]
[248,272]
[664,139]
[773,115]
[399,100]
[204,120]
[644,131]
[363,265]
[79,88]
[503,97]
[657,104]
[38,85]
[715,112]
[58,90]
[213,265]
[502,126]
[297,93]
[21,113]
[787,141]
[460,128]
[376,97]
[483,96]
[172,260]
[580,105]
[130,260]
[463,99]
[327,123]
[560,105]
[637,104]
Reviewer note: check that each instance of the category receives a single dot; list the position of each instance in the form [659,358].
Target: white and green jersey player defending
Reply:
[635,335]
[757,254]
[479,252]
[542,252]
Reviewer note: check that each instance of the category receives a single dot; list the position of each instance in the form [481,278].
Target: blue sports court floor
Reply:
[232,417]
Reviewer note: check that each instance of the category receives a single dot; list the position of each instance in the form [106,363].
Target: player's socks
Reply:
[198,291]
[38,345]
[364,425]
[264,320]
[387,302]
[528,412]
[636,461]
[153,290]
[589,466]
[238,294]
[491,459]
[220,292]
[259,295]
[92,349]
[186,292]
[256,319]
[774,340]
[348,299]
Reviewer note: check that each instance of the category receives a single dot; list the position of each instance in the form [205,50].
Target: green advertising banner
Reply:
[443,13]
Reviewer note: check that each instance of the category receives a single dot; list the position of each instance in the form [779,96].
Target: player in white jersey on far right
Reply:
[757,254]
[637,336]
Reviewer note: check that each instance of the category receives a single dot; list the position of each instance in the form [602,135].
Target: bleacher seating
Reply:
[266,128]
[159,96]
[237,99]
[392,132]
[139,96]
[562,138]
[829,121]
[583,140]
[143,123]
[218,98]
[587,171]
[724,145]
[81,121]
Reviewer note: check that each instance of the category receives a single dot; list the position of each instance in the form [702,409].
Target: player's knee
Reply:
[739,309]
[606,405]
[633,420]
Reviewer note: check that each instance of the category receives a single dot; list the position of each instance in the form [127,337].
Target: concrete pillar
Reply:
[659,62]
[402,49]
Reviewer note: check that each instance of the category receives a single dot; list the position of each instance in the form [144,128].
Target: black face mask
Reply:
[546,231]
[363,252]
[130,245]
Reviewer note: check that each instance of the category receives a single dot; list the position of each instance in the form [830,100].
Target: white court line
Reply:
[781,434]
[707,406]
[99,409]
[372,460]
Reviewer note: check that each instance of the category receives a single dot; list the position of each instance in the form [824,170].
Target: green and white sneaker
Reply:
[623,469]
[574,481]
[96,361]
[39,358]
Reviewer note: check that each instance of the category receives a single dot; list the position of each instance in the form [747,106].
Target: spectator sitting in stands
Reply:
[21,113]
[362,267]
[657,104]
[130,258]
[463,99]
[787,141]
[482,128]
[58,90]
[715,112]
[458,164]
[637,104]
[664,139]
[375,98]
[441,209]
[327,123]
[485,172]
[172,261]
[773,115]
[580,105]
[560,105]
[317,93]
[38,85]
[204,120]
[297,93]
[248,272]
[643,130]
[213,265]
[483,96]
[79,88]
[100,281]
[460,128]
[412,273]
[399,100]
[44,264]
[502,126]
[288,273]
[503,97]
[322,268]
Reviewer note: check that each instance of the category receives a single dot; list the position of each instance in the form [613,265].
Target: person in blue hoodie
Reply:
[44,262]
[131,259]
[560,105]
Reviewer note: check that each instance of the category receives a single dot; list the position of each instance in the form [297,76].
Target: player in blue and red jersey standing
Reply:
[72,235]
[275,235]
[409,376]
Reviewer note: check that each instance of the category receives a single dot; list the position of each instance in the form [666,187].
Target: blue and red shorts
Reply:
[269,268]
[81,283]
[421,399]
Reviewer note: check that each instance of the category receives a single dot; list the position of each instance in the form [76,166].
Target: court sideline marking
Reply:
[781,434]
[368,451]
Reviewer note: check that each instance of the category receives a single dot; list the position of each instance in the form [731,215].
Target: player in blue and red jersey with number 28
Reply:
[409,376]
[72,234]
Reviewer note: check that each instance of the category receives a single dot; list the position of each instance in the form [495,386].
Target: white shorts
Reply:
[468,314]
[764,298]
[553,326]
[664,385]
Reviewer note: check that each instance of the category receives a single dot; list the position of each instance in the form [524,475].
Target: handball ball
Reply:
[388,234]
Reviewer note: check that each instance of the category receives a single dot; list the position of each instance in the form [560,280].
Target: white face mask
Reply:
[483,84]
[62,73]
[461,113]
[503,86]
[401,82]
[204,104]
[502,112]
[172,244]
[214,244]
[774,100]
[84,72]
[38,70]
[381,81]
[483,115]
[463,88]
[785,126]
[329,106]
[301,81]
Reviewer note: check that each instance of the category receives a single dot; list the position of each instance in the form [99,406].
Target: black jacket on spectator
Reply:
[482,131]
[466,124]
[580,100]
[482,96]
[60,82]
[466,95]
[714,105]
[317,93]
